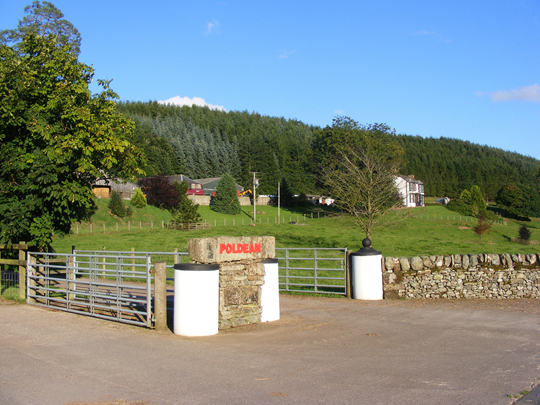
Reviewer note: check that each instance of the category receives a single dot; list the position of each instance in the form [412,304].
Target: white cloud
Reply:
[285,54]
[211,27]
[198,101]
[526,93]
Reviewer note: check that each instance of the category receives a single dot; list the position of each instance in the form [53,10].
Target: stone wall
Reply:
[200,199]
[241,274]
[463,276]
[243,201]
[205,199]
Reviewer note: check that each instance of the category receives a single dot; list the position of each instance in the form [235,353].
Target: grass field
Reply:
[403,232]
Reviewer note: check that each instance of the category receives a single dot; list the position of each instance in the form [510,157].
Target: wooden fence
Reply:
[85,228]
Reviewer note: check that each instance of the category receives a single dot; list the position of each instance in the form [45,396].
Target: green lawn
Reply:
[429,230]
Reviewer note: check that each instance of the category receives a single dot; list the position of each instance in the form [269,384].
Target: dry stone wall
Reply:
[463,276]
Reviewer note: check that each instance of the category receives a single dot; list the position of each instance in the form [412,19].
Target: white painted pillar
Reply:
[196,299]
[367,279]
[270,291]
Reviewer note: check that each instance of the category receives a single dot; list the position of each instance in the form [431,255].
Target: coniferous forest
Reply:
[200,142]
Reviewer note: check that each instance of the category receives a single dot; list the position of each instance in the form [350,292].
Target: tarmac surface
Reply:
[322,351]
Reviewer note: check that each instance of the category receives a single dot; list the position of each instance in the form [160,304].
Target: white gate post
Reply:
[367,278]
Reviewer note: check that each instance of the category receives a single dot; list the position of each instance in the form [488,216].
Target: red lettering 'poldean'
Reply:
[232,248]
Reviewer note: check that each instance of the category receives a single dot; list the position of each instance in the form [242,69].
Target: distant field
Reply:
[404,232]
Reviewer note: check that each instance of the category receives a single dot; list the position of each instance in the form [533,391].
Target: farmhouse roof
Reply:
[410,179]
[180,178]
[209,184]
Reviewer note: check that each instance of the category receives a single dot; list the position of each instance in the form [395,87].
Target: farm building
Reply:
[209,185]
[103,188]
[194,187]
[410,190]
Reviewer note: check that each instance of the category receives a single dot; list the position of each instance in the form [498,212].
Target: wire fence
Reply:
[9,282]
[102,227]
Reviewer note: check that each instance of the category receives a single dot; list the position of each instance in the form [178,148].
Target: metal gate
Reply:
[313,270]
[102,285]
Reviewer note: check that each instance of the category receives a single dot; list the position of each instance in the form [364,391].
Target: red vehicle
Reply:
[195,191]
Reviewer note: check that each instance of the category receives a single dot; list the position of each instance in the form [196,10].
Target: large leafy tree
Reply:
[57,138]
[358,168]
[43,19]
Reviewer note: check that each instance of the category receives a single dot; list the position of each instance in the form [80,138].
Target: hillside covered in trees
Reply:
[200,142]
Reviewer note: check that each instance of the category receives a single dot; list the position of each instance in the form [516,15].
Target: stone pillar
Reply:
[241,274]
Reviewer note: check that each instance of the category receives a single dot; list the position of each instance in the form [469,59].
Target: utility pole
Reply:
[278,201]
[255,184]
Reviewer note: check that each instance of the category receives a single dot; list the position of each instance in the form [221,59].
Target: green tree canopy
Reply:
[471,202]
[519,201]
[56,137]
[44,19]
[358,166]
[138,200]
[226,198]
[186,211]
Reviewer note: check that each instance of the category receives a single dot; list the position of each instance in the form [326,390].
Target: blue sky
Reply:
[460,69]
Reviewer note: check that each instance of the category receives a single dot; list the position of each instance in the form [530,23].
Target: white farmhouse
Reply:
[410,190]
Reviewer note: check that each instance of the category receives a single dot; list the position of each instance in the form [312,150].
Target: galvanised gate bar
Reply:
[107,286]
[118,285]
[313,270]
[170,258]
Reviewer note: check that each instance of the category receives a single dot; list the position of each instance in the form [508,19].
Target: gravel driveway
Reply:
[323,350]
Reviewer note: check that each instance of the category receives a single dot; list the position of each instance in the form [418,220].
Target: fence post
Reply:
[160,296]
[132,260]
[70,276]
[347,274]
[176,257]
[31,264]
[22,269]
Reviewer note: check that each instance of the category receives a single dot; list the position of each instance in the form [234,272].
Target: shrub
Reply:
[470,203]
[186,211]
[524,233]
[460,206]
[138,200]
[185,214]
[159,192]
[482,227]
[226,198]
[116,205]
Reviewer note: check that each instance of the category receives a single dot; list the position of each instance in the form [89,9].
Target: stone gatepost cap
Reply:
[223,249]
